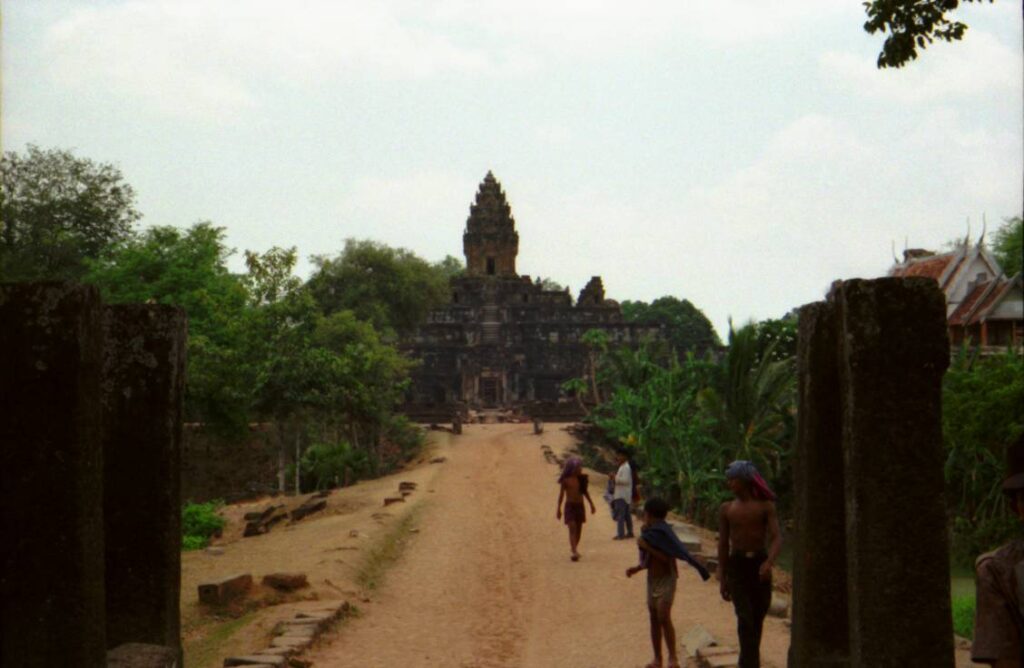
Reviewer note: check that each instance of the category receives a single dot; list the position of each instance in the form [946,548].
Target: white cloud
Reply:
[979,65]
[202,59]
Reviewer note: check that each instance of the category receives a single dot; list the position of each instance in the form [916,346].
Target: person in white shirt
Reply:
[622,497]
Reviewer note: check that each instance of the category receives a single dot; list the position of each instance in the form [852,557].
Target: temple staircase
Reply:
[490,325]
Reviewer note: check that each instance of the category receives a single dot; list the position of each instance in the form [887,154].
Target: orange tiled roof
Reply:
[932,267]
[993,297]
[957,317]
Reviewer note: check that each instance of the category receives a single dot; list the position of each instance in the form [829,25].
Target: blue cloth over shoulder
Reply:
[662,538]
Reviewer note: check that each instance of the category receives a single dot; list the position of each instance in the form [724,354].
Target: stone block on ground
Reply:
[697,638]
[322,494]
[394,499]
[779,606]
[141,655]
[291,641]
[255,660]
[285,581]
[308,508]
[224,590]
[719,656]
[438,460]
[407,485]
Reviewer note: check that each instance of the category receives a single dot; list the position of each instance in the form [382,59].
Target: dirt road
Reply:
[486,582]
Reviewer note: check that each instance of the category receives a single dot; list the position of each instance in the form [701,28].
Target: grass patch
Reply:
[963,616]
[199,522]
[386,552]
[207,650]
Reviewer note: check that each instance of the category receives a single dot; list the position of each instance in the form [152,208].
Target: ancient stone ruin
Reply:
[871,573]
[505,341]
[90,453]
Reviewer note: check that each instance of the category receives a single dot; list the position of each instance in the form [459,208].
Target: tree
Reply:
[550,284]
[777,336]
[686,326]
[188,268]
[1008,245]
[912,25]
[56,211]
[391,288]
[751,401]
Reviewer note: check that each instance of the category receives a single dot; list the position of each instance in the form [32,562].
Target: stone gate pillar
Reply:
[870,513]
[894,351]
[143,385]
[51,468]
[820,635]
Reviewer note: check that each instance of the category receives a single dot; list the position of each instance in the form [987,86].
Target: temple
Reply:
[984,306]
[504,341]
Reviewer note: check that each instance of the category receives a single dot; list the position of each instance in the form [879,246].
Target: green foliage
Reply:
[686,419]
[187,268]
[912,25]
[752,405]
[686,326]
[1008,245]
[963,616]
[549,284]
[391,288]
[57,211]
[779,336]
[327,465]
[199,522]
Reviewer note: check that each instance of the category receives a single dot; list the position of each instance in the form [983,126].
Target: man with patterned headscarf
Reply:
[749,542]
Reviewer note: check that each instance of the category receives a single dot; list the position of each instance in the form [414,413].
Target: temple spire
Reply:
[490,241]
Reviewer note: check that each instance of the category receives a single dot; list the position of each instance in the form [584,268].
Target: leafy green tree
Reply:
[686,326]
[1008,245]
[778,336]
[752,401]
[550,284]
[981,416]
[187,268]
[56,211]
[450,267]
[389,287]
[912,25]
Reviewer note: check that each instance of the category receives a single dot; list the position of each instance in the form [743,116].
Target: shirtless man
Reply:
[573,488]
[749,542]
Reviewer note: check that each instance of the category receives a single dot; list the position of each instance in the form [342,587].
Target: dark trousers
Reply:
[623,518]
[751,599]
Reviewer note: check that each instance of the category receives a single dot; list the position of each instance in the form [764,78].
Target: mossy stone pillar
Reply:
[51,468]
[143,385]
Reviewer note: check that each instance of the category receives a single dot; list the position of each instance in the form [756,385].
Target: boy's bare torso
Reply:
[571,485]
[748,524]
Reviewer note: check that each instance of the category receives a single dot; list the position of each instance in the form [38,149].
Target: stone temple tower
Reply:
[490,241]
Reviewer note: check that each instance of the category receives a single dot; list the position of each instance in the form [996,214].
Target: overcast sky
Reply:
[739,153]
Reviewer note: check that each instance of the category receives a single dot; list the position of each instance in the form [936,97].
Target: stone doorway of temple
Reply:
[489,392]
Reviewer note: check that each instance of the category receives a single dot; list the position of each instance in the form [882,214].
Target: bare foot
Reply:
[575,557]
[654,664]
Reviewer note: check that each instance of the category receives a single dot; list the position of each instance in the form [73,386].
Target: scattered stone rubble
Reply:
[294,636]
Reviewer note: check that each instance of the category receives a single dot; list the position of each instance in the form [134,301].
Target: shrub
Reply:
[200,521]
[328,464]
[963,616]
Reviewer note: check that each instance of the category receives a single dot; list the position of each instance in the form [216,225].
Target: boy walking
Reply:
[749,542]
[659,549]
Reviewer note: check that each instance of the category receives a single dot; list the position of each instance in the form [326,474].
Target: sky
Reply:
[741,154]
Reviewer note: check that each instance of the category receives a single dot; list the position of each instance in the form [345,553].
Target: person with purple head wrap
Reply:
[749,542]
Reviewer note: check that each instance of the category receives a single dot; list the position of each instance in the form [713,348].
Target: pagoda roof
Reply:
[490,212]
